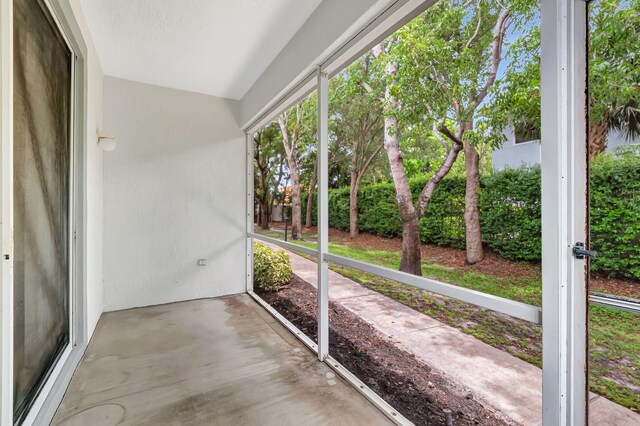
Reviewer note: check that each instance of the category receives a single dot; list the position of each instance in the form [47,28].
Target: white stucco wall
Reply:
[174,193]
[616,139]
[94,175]
[513,155]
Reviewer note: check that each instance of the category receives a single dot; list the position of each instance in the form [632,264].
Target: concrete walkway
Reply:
[493,377]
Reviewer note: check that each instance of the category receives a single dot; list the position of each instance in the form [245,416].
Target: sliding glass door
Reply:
[42,152]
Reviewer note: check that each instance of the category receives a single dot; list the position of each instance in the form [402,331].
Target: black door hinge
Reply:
[580,253]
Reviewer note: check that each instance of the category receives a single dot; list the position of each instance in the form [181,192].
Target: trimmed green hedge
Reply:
[615,215]
[510,213]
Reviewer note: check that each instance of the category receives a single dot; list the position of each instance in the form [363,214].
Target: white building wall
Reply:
[616,139]
[512,155]
[174,193]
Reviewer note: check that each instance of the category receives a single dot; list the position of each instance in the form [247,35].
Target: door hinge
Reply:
[580,252]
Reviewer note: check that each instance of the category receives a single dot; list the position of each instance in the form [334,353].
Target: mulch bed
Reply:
[410,386]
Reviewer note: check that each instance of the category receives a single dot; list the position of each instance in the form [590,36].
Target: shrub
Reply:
[271,268]
[443,221]
[510,213]
[615,215]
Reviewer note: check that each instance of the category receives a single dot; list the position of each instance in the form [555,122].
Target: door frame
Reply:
[564,211]
[46,403]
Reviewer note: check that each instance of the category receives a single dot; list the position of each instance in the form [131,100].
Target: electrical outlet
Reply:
[202,262]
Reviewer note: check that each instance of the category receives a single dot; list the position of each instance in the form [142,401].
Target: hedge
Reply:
[615,215]
[510,213]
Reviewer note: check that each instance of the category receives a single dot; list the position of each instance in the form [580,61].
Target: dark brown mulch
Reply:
[615,286]
[410,386]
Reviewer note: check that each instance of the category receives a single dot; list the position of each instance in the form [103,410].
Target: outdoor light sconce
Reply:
[106,141]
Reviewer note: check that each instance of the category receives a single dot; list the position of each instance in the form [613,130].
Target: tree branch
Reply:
[496,55]
[454,138]
[364,168]
[366,86]
[427,191]
[475,34]
[444,143]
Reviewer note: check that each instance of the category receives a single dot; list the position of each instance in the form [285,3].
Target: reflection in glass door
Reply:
[41,199]
[614,206]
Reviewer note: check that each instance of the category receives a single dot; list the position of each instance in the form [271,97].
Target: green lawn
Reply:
[614,336]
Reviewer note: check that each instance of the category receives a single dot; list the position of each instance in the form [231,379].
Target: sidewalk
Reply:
[493,377]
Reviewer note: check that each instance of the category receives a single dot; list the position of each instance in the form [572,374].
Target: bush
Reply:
[615,215]
[271,268]
[443,222]
[510,213]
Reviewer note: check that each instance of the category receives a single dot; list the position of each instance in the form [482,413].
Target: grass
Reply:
[614,336]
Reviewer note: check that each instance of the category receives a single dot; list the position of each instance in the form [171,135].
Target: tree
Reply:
[297,127]
[457,50]
[268,154]
[409,212]
[614,71]
[310,192]
[356,123]
[440,68]
[614,76]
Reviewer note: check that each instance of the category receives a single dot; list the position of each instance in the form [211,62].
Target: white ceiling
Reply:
[217,47]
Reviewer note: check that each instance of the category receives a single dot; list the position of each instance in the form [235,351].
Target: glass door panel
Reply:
[41,199]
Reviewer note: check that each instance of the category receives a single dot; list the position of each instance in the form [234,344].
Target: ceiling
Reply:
[216,47]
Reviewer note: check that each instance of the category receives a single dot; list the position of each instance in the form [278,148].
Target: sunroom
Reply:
[314,212]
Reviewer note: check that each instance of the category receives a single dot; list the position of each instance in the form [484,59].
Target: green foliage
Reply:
[271,268]
[443,222]
[614,74]
[510,213]
[615,215]
[614,40]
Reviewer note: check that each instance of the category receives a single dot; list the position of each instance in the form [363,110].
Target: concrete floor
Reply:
[221,361]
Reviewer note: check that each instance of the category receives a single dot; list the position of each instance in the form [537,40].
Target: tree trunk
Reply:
[356,175]
[308,219]
[410,261]
[264,215]
[353,207]
[475,252]
[292,160]
[312,188]
[598,138]
[259,219]
[296,208]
